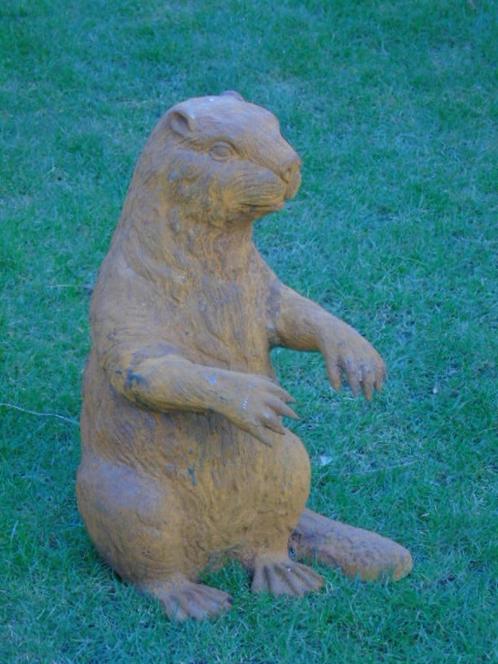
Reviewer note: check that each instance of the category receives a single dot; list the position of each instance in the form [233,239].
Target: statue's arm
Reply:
[299,323]
[157,376]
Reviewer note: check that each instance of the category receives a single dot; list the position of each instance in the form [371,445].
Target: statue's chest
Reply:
[229,323]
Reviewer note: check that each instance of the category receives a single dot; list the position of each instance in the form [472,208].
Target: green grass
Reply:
[393,107]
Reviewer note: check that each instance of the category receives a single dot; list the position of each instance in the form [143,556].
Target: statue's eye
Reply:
[221,151]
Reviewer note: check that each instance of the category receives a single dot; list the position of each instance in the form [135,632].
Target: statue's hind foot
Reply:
[183,599]
[281,576]
[355,551]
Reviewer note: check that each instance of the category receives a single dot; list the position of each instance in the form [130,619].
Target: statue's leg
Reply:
[266,556]
[281,497]
[137,525]
[357,552]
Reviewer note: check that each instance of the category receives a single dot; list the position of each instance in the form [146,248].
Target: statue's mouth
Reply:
[272,196]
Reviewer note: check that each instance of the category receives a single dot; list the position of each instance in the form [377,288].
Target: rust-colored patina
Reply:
[185,459]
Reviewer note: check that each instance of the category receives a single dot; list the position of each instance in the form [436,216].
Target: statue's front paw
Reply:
[255,404]
[347,351]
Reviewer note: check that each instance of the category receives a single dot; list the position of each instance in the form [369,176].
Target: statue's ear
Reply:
[232,93]
[181,122]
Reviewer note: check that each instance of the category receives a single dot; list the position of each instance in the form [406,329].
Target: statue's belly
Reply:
[211,466]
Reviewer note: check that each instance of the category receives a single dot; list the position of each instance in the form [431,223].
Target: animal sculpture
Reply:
[185,459]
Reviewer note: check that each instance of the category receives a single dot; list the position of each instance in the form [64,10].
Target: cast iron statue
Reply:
[185,460]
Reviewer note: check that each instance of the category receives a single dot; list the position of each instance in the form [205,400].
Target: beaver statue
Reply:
[185,460]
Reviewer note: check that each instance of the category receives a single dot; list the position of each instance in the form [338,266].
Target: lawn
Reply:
[393,107]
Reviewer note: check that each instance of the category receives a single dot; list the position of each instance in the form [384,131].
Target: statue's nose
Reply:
[290,169]
[291,175]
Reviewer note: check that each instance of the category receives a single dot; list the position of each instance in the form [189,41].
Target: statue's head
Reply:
[221,157]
